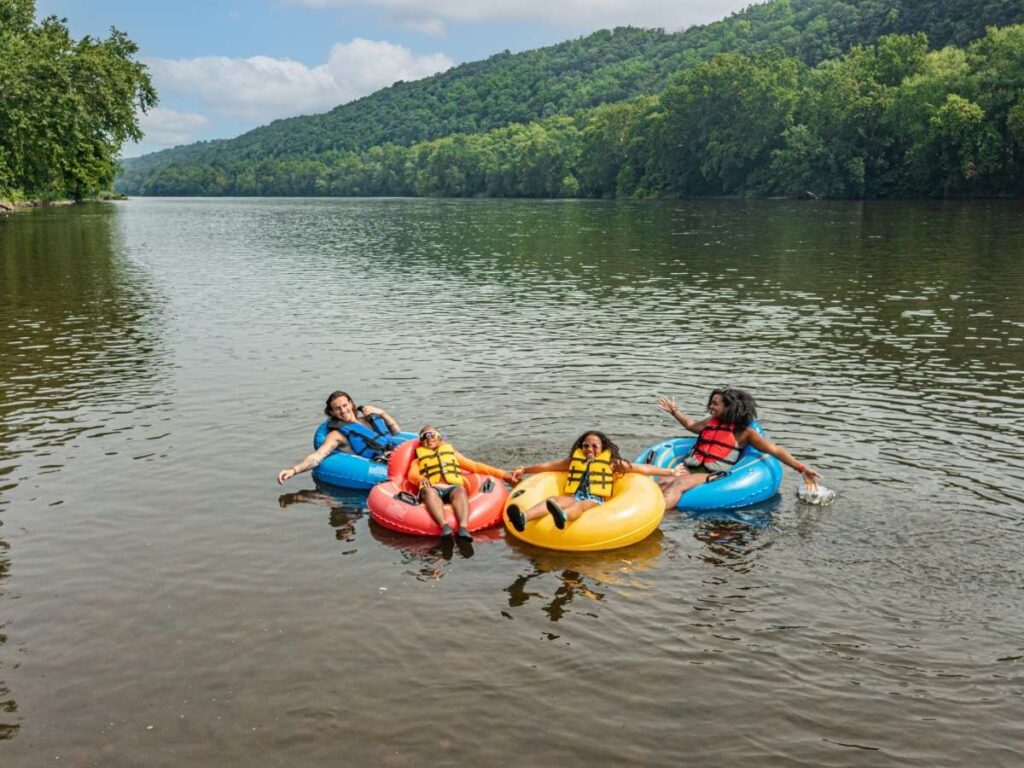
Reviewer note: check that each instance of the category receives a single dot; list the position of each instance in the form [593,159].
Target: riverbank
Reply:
[13,206]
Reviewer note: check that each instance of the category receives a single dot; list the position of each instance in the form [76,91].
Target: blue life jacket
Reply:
[366,442]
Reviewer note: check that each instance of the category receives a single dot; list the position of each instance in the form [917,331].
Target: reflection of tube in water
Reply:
[607,567]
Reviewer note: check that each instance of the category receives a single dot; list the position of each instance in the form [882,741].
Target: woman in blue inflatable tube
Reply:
[364,431]
[721,437]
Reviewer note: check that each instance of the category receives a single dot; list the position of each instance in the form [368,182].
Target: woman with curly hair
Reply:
[593,464]
[720,438]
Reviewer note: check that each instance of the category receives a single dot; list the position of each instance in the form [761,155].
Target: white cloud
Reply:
[578,15]
[425,26]
[168,128]
[261,88]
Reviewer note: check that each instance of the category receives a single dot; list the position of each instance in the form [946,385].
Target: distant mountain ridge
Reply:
[605,67]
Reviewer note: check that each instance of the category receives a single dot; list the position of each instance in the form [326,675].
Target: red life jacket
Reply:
[716,444]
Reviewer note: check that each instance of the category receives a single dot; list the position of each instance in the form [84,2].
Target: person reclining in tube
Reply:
[436,472]
[721,437]
[365,430]
[593,464]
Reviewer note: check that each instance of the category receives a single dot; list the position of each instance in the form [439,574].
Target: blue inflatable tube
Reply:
[346,470]
[756,477]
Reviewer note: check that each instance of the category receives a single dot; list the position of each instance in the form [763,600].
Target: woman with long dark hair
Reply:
[593,464]
[720,438]
[364,430]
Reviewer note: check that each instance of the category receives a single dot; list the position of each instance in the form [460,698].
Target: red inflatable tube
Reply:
[395,504]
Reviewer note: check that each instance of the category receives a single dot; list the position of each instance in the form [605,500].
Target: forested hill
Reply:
[608,66]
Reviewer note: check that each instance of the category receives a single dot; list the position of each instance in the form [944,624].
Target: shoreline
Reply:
[17,206]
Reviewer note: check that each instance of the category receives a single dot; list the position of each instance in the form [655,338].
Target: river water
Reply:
[163,602]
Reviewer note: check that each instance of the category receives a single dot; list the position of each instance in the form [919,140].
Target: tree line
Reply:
[571,77]
[66,106]
[890,119]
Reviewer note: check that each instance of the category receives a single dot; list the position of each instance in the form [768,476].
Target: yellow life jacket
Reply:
[440,466]
[600,469]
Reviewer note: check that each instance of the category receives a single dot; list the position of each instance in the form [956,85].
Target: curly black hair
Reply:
[740,408]
[606,444]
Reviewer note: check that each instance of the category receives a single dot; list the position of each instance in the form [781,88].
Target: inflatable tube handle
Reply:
[407,497]
[488,486]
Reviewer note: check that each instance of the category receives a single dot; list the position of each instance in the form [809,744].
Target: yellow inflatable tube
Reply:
[633,511]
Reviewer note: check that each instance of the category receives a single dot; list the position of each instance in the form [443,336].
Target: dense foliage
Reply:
[66,107]
[739,102]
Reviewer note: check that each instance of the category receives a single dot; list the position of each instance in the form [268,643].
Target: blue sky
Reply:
[223,67]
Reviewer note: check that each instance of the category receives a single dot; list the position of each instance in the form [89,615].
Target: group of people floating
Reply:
[593,463]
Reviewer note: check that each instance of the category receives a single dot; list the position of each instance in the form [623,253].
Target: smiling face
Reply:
[591,446]
[430,438]
[717,406]
[342,408]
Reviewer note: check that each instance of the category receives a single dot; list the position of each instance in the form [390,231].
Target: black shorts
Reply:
[444,491]
[713,474]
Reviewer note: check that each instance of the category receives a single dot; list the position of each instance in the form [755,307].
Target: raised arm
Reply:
[780,453]
[668,404]
[370,410]
[330,444]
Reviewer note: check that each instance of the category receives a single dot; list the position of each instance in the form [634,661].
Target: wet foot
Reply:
[556,512]
[464,533]
[446,531]
[516,517]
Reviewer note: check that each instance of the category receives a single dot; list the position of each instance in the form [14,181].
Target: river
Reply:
[165,602]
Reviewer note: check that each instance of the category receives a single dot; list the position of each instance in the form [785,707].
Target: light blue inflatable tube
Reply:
[346,470]
[756,477]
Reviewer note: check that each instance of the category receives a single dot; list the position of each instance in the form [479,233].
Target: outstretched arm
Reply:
[668,404]
[622,466]
[331,443]
[561,465]
[780,453]
[479,468]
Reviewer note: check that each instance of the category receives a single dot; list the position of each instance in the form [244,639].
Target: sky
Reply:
[223,67]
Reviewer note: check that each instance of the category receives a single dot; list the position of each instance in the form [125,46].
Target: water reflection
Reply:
[8,706]
[734,538]
[82,359]
[427,556]
[346,507]
[80,336]
[584,575]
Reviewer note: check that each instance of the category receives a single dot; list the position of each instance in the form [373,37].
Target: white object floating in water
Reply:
[817,494]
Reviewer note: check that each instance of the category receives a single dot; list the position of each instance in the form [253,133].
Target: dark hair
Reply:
[334,396]
[606,444]
[740,408]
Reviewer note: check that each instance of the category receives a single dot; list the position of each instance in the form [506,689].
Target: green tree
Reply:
[66,107]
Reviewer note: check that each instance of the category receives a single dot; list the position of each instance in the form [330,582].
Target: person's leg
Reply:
[674,487]
[537,510]
[432,501]
[577,507]
[518,518]
[460,506]
[555,507]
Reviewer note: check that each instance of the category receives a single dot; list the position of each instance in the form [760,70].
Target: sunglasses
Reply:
[429,435]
